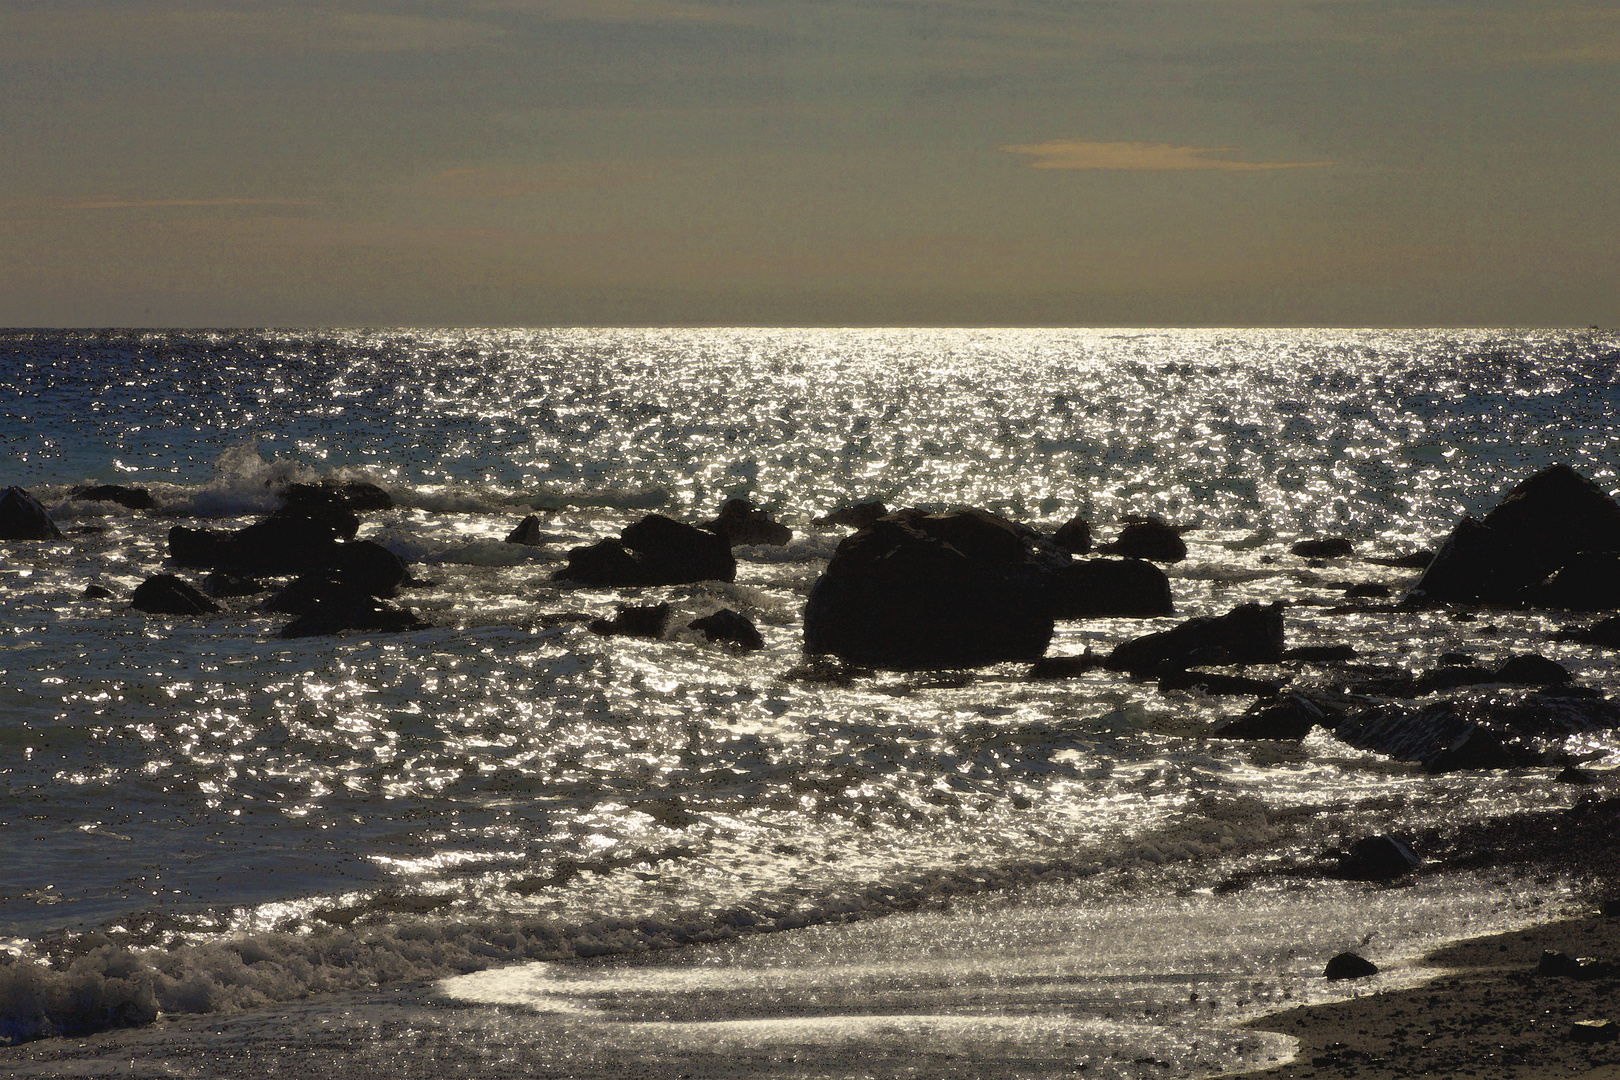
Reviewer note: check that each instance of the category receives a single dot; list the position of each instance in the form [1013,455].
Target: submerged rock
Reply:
[1287,719]
[131,498]
[1113,588]
[654,551]
[1148,537]
[727,625]
[646,620]
[364,613]
[1248,634]
[1333,547]
[23,517]
[742,523]
[859,516]
[166,594]
[1500,729]
[527,532]
[915,590]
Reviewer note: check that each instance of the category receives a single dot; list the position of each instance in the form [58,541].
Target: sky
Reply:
[809,163]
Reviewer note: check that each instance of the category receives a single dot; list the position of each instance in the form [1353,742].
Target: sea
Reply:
[504,845]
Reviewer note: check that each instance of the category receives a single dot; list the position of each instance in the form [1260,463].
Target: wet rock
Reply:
[1347,965]
[859,516]
[359,570]
[730,626]
[1113,588]
[1605,633]
[1538,528]
[221,585]
[1218,683]
[1334,547]
[166,594]
[919,590]
[1531,669]
[96,592]
[1417,560]
[742,523]
[1499,729]
[1288,719]
[132,498]
[1248,634]
[1321,654]
[1377,858]
[654,551]
[527,532]
[363,613]
[1594,1031]
[1367,590]
[362,496]
[1064,667]
[1074,536]
[285,545]
[645,620]
[1149,538]
[23,517]
[1574,775]
[318,503]
[1561,965]
[1588,581]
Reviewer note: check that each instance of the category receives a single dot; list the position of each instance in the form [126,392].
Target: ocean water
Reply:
[505,843]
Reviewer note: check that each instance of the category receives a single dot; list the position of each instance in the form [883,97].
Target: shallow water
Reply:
[280,818]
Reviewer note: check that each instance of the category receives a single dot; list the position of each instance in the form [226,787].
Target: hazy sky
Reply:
[809,162]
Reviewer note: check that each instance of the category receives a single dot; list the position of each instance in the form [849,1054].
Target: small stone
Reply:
[1347,965]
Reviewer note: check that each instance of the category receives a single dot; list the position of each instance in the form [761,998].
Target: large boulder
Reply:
[131,498]
[358,570]
[742,523]
[527,532]
[22,517]
[363,613]
[1543,525]
[1074,536]
[918,590]
[1248,634]
[1147,537]
[1113,588]
[277,545]
[654,551]
[166,594]
[320,503]
[730,626]
[858,516]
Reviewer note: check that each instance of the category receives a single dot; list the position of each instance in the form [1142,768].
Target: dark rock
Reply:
[1531,669]
[132,498]
[1367,590]
[1417,560]
[919,590]
[1064,667]
[1289,719]
[1576,776]
[563,618]
[22,517]
[96,592]
[1588,581]
[220,584]
[1219,683]
[728,625]
[1248,634]
[1074,536]
[742,523]
[1148,538]
[364,613]
[284,545]
[1335,547]
[1561,965]
[859,516]
[359,570]
[1321,654]
[1493,730]
[362,496]
[1113,588]
[166,594]
[1538,528]
[527,532]
[1347,965]
[1594,1031]
[824,670]
[647,620]
[654,551]
[1605,633]
[1377,858]
[319,503]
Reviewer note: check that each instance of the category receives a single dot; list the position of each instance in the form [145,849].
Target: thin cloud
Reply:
[1142,156]
[142,204]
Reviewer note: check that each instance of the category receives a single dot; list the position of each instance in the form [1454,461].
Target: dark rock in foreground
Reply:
[23,517]
[357,613]
[527,532]
[284,545]
[654,551]
[1501,729]
[1335,547]
[1074,536]
[918,590]
[131,498]
[646,620]
[1288,719]
[742,523]
[859,516]
[1148,538]
[1113,588]
[1605,633]
[1248,634]
[358,570]
[220,584]
[1347,965]
[1377,858]
[728,625]
[166,594]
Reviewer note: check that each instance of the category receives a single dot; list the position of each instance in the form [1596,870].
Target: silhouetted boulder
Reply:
[859,516]
[166,594]
[1064,667]
[132,498]
[220,584]
[646,620]
[1113,588]
[96,592]
[319,503]
[527,532]
[1605,633]
[742,523]
[1416,560]
[654,551]
[1377,858]
[1540,527]
[1248,634]
[277,545]
[359,570]
[363,613]
[1288,719]
[23,517]
[1498,729]
[1334,547]
[1347,965]
[728,625]
[958,589]
[1074,536]
[1588,581]
[1148,538]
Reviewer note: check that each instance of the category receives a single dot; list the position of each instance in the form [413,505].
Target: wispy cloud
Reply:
[517,181]
[1079,154]
[142,204]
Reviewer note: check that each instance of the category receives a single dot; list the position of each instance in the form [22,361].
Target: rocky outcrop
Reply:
[277,545]
[358,570]
[1333,547]
[1500,729]
[166,594]
[131,498]
[645,620]
[527,532]
[1113,588]
[730,627]
[347,614]
[319,503]
[1377,858]
[1548,522]
[741,523]
[1347,965]
[1248,634]
[1288,719]
[654,551]
[22,517]
[917,590]
[1074,536]
[1147,537]
[859,516]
